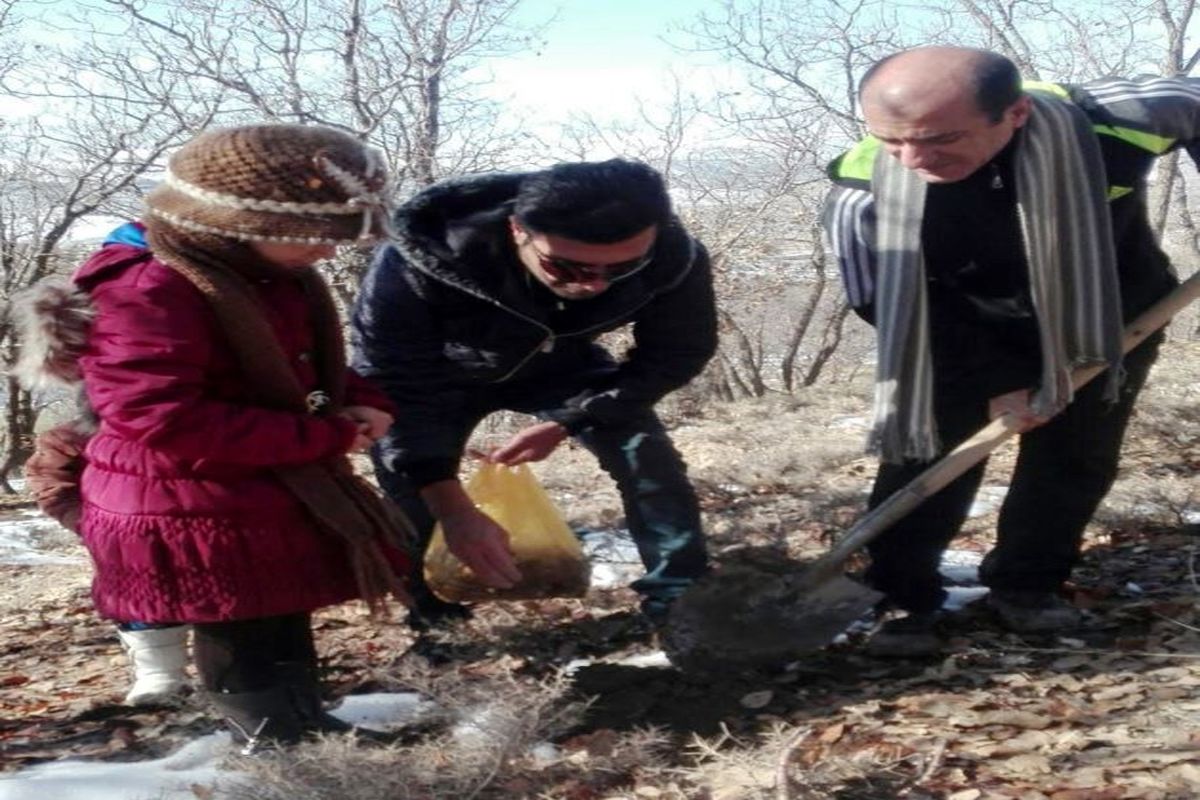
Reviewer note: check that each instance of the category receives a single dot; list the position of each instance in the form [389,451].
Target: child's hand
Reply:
[372,423]
[362,443]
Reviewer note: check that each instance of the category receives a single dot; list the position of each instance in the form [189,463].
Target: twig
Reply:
[1184,625]
[782,792]
[711,749]
[1192,568]
[932,762]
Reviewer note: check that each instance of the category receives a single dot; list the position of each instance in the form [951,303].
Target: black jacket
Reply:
[447,312]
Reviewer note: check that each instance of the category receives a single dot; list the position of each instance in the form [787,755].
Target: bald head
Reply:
[944,112]
[929,77]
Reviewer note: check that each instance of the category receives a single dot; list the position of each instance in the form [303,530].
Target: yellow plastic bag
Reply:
[547,553]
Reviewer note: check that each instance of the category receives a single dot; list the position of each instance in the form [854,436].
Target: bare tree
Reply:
[802,62]
[801,59]
[1179,59]
[1051,39]
[50,181]
[797,109]
[396,72]
[129,79]
[10,25]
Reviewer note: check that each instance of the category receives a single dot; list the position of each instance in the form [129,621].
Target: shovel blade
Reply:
[738,620]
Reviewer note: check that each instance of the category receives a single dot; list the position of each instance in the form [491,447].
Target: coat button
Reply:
[305,356]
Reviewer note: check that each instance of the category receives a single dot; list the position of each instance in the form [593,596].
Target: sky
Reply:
[600,55]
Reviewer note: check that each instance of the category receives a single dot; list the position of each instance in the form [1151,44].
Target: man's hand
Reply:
[531,444]
[1016,405]
[477,541]
[472,536]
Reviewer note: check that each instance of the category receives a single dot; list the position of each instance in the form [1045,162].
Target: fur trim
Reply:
[52,319]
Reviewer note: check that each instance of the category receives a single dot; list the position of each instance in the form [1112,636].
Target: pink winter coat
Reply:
[181,514]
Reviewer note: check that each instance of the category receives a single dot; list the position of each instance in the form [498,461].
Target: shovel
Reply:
[768,614]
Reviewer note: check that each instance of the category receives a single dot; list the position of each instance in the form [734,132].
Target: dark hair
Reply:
[600,202]
[997,84]
[996,79]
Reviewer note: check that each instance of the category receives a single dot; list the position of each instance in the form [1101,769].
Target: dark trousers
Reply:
[244,655]
[1064,468]
[660,504]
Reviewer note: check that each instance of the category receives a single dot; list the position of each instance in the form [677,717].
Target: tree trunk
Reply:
[792,349]
[18,430]
[746,357]
[829,343]
[1168,168]
[812,303]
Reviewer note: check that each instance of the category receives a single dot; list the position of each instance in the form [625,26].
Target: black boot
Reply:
[258,719]
[302,684]
[429,611]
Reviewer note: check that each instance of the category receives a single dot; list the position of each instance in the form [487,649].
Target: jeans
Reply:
[660,504]
[1063,470]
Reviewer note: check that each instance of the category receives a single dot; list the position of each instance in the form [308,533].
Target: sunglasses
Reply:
[564,270]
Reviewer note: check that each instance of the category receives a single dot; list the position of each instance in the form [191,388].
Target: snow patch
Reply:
[855,423]
[19,541]
[987,500]
[382,711]
[170,778]
[613,555]
[194,764]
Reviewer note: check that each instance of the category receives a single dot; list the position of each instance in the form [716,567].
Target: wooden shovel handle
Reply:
[988,438]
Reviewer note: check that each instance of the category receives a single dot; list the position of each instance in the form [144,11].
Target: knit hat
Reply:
[296,184]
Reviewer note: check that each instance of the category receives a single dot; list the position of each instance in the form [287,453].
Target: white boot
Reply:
[159,657]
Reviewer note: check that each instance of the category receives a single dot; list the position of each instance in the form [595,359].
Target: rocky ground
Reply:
[1109,711]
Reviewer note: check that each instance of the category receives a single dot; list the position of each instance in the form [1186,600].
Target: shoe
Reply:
[432,612]
[1032,611]
[305,689]
[912,636]
[159,657]
[260,720]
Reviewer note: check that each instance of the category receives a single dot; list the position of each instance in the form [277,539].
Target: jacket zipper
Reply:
[546,345]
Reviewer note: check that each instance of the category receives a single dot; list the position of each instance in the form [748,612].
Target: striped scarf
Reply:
[1067,231]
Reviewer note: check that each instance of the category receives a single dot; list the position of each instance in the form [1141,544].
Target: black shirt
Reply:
[984,328]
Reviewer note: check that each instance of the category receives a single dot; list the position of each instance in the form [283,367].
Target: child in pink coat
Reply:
[216,490]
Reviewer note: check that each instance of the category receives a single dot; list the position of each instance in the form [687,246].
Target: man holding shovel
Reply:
[995,234]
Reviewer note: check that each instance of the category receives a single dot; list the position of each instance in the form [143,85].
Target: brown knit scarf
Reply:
[340,502]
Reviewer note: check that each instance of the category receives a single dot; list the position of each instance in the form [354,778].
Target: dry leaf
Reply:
[1116,692]
[1014,718]
[1025,742]
[1187,774]
[1027,765]
[832,733]
[760,699]
[1095,793]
